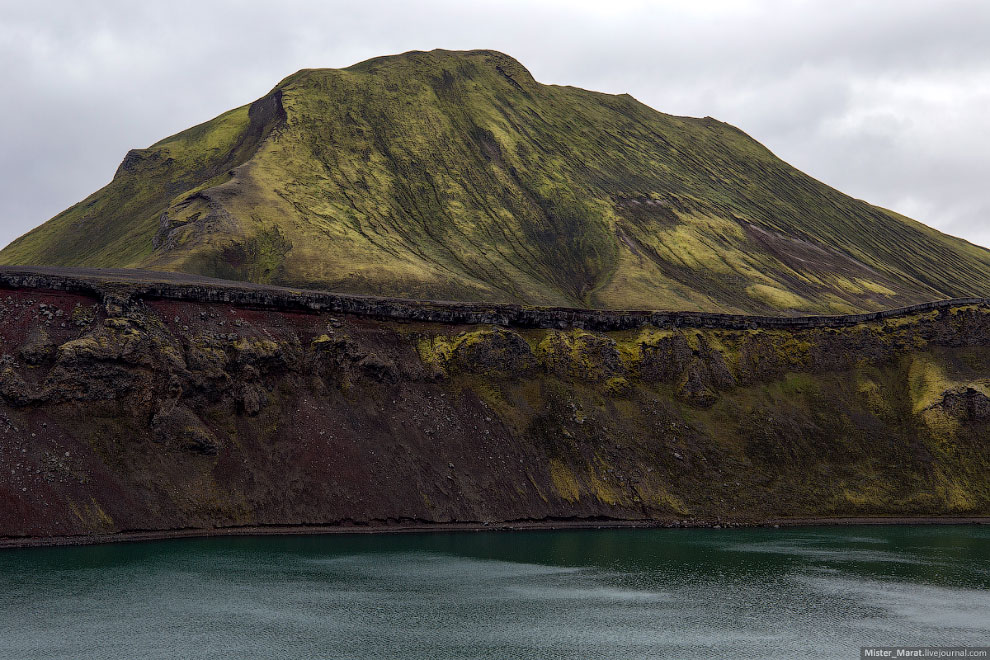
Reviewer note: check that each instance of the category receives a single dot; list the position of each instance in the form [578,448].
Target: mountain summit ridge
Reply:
[455,175]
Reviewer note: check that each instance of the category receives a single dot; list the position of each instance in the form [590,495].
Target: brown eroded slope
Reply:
[148,414]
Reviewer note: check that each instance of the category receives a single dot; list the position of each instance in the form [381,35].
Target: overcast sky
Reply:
[886,100]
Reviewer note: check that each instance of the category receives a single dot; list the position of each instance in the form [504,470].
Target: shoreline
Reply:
[515,526]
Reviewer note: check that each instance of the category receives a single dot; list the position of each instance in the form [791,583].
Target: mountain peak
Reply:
[443,65]
[439,57]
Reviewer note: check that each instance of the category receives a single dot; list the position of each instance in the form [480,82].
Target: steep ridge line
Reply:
[125,287]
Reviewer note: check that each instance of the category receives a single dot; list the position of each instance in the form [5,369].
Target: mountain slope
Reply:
[455,175]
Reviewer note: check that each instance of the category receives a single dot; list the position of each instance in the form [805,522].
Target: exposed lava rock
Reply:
[966,403]
[157,413]
[496,353]
[178,427]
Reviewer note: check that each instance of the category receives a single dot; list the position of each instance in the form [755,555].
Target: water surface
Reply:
[759,593]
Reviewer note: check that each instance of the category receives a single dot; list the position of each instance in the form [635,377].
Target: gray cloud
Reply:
[885,100]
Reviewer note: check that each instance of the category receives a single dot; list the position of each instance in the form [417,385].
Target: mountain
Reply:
[455,175]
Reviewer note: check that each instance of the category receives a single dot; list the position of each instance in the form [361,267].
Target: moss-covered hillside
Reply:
[455,175]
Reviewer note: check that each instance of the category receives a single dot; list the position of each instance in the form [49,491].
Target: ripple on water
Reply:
[897,605]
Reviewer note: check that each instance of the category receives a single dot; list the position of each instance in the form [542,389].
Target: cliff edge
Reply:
[143,413]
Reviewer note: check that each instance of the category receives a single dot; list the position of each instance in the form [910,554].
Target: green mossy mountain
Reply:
[455,175]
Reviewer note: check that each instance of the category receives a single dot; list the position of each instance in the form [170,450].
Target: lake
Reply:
[669,593]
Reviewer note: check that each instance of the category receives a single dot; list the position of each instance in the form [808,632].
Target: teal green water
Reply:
[758,593]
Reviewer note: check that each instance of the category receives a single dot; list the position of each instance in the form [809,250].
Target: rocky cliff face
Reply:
[143,413]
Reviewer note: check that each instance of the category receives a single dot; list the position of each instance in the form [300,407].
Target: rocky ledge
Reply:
[123,287]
